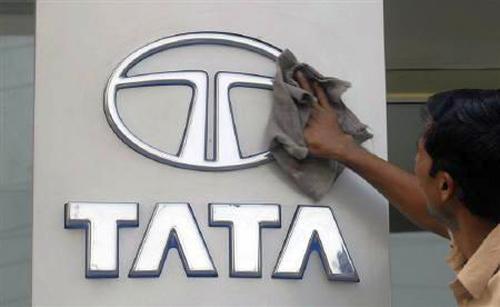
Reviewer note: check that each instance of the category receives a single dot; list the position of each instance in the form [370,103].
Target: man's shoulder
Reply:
[491,295]
[494,282]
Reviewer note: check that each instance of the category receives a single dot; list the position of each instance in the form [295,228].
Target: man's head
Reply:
[458,160]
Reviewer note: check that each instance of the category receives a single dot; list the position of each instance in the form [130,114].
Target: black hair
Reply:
[463,139]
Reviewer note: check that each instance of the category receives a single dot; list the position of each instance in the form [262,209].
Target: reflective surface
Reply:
[245,222]
[173,225]
[101,222]
[314,229]
[227,144]
[194,152]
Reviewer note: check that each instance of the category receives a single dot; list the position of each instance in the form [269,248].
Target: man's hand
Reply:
[323,134]
[325,138]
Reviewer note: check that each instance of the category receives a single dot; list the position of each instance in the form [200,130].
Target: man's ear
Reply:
[446,186]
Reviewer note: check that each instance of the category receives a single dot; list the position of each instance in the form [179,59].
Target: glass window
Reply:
[16,151]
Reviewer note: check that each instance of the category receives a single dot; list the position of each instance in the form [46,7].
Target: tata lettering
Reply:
[174,226]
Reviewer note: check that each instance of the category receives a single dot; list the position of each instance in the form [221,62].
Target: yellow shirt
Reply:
[478,279]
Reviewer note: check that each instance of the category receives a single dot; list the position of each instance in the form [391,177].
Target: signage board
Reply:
[152,181]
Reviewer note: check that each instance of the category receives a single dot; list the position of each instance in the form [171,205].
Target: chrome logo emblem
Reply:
[192,154]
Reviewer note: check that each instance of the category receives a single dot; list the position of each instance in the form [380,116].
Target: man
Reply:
[455,191]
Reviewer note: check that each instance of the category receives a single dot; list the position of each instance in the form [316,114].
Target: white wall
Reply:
[78,157]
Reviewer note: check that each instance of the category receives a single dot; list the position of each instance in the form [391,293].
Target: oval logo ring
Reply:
[192,153]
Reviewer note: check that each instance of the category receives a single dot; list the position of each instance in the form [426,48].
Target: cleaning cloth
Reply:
[290,112]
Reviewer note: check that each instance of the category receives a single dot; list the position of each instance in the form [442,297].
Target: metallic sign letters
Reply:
[174,226]
[244,223]
[101,222]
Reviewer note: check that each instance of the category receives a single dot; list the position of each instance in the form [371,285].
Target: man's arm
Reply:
[398,186]
[326,139]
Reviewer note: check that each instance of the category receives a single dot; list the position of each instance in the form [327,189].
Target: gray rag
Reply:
[290,113]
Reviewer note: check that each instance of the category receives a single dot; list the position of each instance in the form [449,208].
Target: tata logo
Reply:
[194,152]
[174,225]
